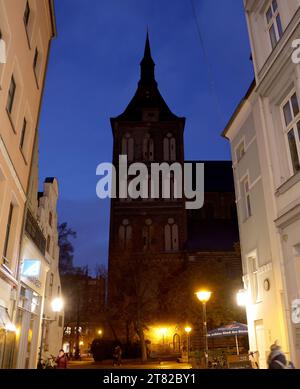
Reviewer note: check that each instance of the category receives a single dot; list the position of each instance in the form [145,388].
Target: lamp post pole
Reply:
[205,333]
[204,296]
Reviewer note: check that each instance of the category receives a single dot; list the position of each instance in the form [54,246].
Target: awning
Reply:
[5,322]
[231,329]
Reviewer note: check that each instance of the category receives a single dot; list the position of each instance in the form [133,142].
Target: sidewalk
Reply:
[88,363]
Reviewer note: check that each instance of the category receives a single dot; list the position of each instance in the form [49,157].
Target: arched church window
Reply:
[147,235]
[148,148]
[128,146]
[169,148]
[171,236]
[125,234]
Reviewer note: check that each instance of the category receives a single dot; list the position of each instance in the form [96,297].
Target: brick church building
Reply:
[159,252]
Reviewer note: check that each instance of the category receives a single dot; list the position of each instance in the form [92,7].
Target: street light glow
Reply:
[163,331]
[241,298]
[57,304]
[10,327]
[203,295]
[99,332]
[187,330]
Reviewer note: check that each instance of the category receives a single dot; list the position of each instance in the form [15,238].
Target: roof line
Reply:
[238,108]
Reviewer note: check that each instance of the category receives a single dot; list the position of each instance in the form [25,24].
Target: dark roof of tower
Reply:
[49,180]
[147,95]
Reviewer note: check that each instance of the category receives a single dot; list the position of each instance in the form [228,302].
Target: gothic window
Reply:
[169,148]
[125,233]
[171,236]
[147,235]
[148,148]
[128,147]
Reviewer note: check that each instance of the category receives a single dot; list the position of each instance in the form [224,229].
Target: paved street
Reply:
[127,364]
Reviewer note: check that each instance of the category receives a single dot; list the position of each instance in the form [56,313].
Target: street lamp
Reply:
[204,296]
[163,332]
[56,306]
[100,332]
[188,331]
[242,298]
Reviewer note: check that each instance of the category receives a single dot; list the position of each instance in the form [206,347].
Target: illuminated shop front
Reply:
[30,303]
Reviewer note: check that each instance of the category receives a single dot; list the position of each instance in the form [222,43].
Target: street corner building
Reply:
[264,134]
[28,241]
[159,252]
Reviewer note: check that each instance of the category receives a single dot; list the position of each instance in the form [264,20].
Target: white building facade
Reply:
[264,133]
[39,329]
[26,31]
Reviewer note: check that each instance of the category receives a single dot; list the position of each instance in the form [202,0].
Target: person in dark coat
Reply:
[277,359]
[117,356]
[61,360]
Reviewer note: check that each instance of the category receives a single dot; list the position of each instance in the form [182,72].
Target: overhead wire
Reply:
[207,63]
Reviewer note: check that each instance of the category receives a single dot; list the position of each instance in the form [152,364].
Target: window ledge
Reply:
[288,184]
[8,273]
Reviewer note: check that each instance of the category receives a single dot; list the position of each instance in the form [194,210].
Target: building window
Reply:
[169,148]
[11,95]
[125,233]
[50,219]
[291,119]
[247,199]
[254,281]
[23,135]
[240,151]
[274,24]
[51,281]
[26,15]
[147,235]
[36,62]
[128,147]
[48,244]
[8,234]
[148,148]
[171,236]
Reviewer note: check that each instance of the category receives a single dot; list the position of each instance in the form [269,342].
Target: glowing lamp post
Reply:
[100,332]
[204,296]
[57,305]
[242,298]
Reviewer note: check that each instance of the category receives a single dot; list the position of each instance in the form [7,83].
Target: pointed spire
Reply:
[147,64]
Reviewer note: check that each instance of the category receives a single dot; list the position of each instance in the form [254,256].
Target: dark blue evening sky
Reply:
[93,73]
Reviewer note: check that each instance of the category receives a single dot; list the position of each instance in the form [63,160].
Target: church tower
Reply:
[148,132]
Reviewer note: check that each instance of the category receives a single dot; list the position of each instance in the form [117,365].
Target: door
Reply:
[261,343]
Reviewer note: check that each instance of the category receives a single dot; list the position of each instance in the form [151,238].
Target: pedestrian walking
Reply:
[117,356]
[61,360]
[277,359]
